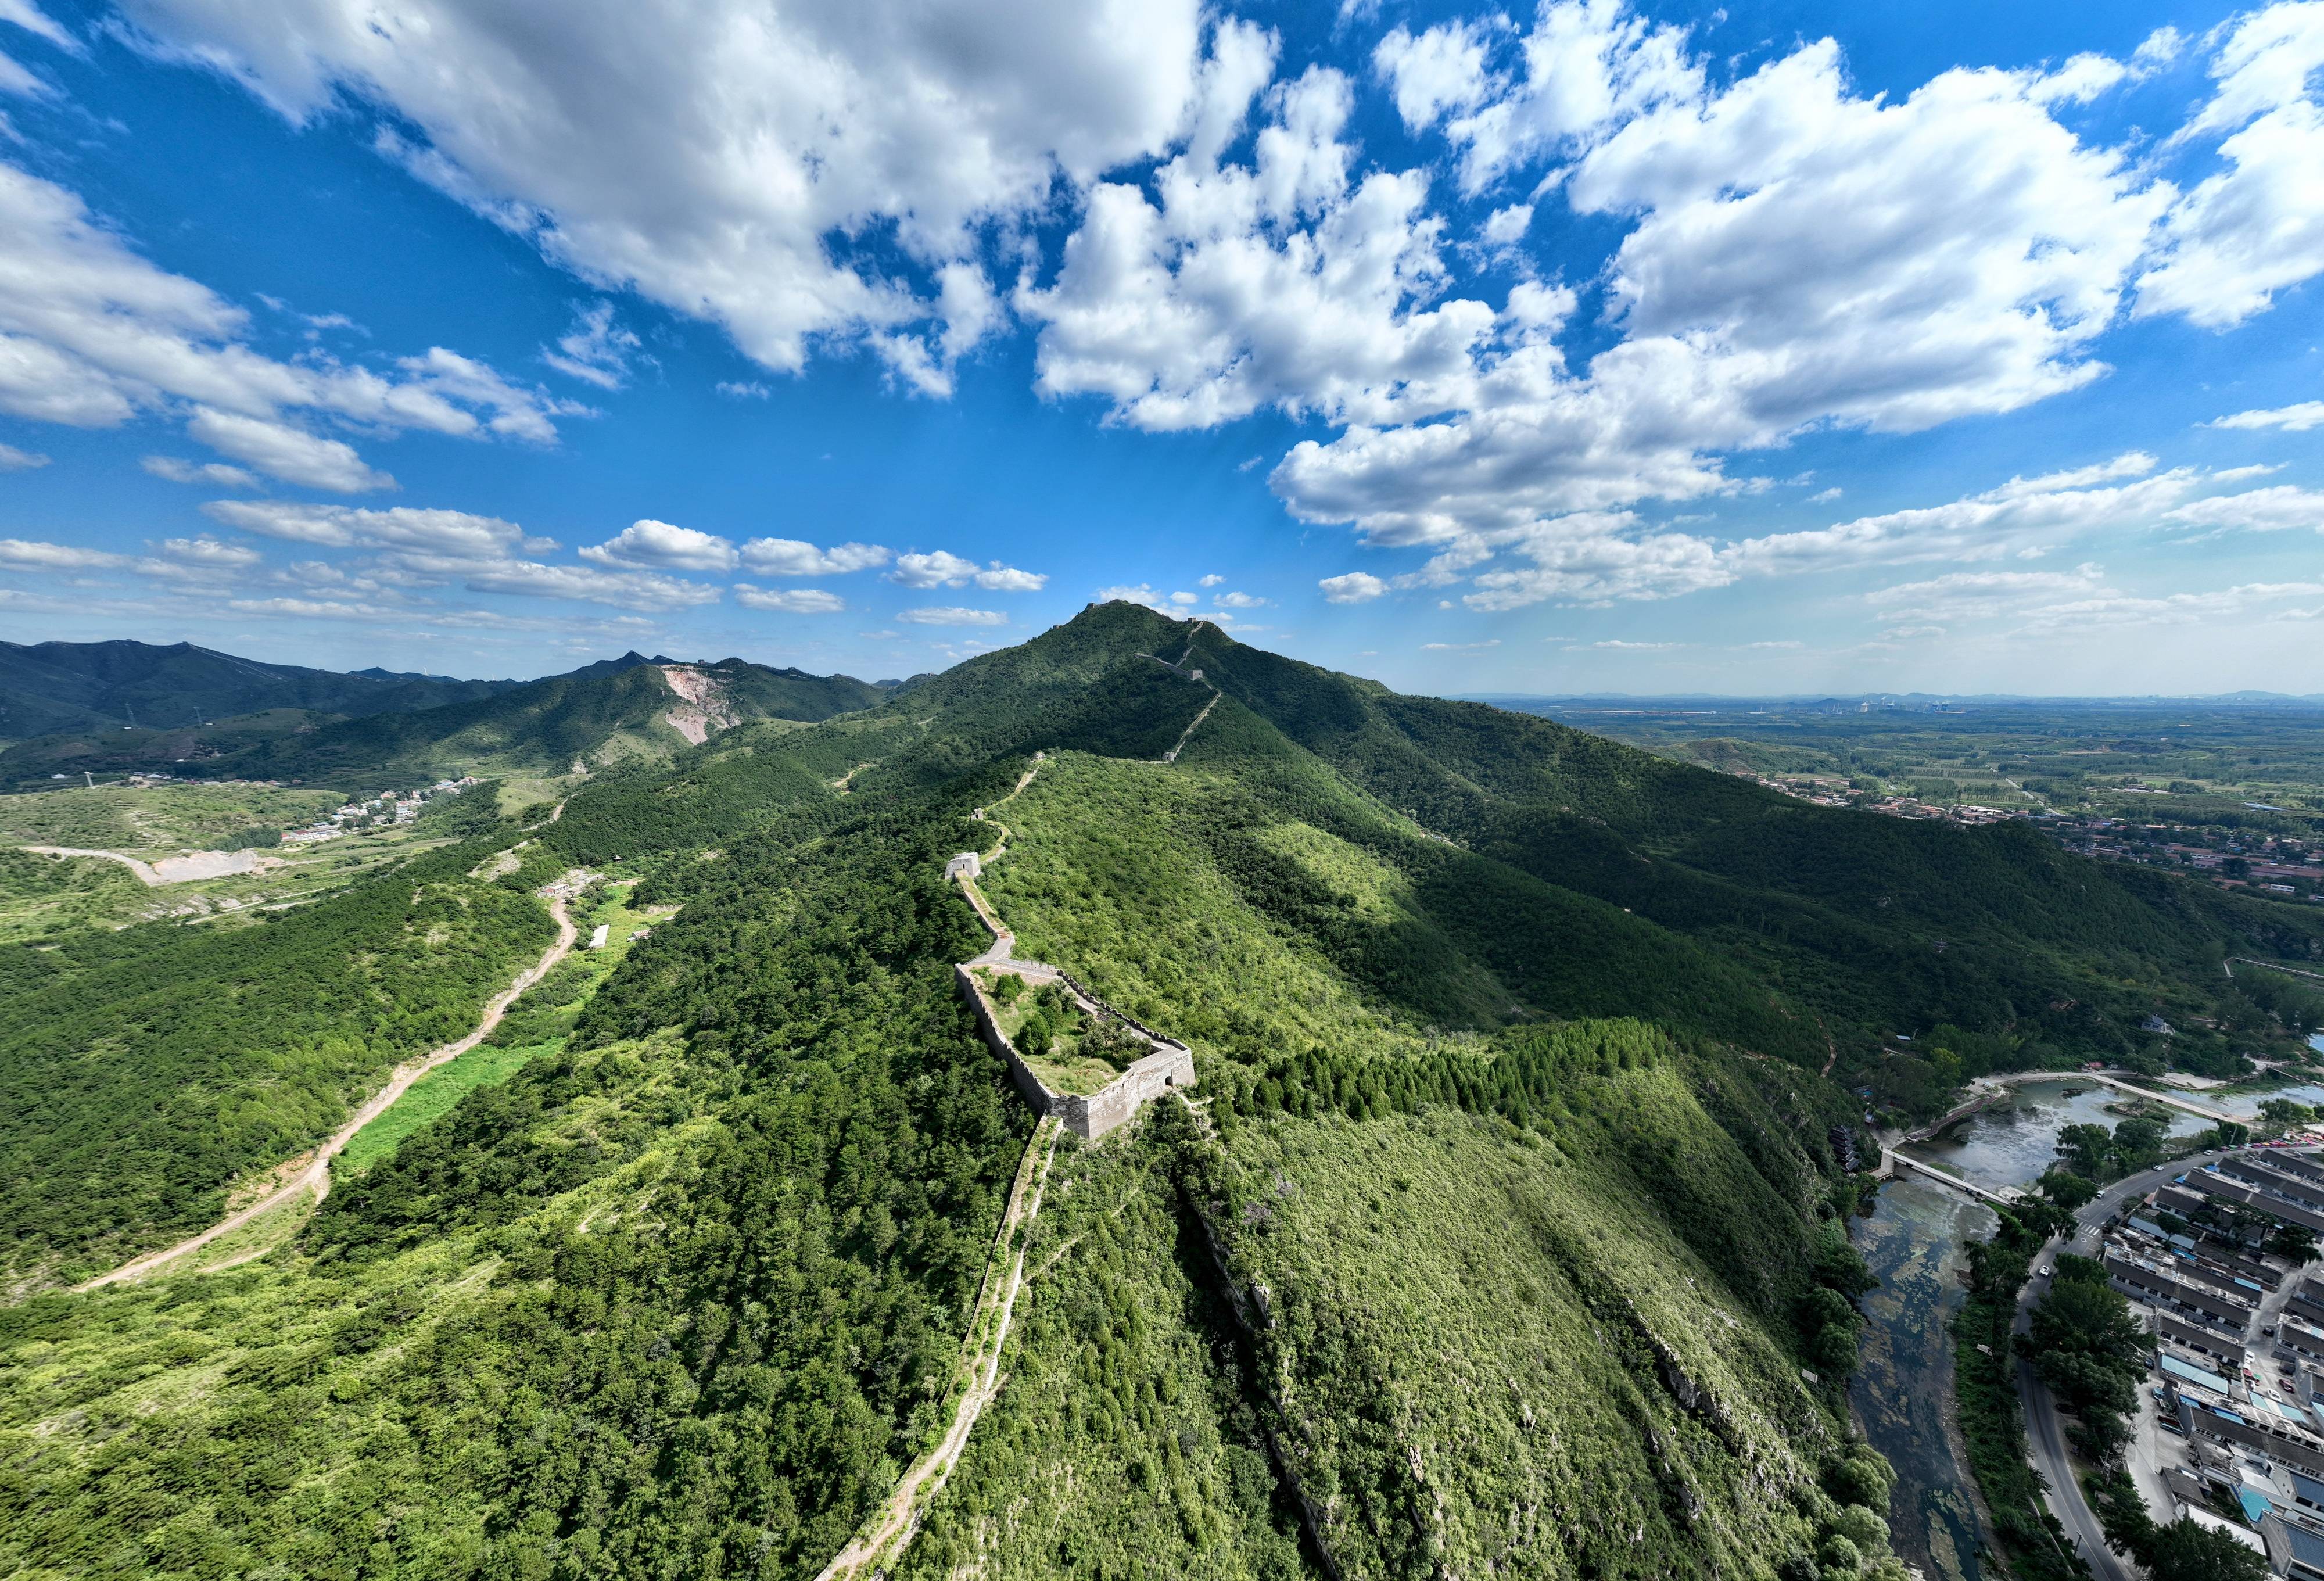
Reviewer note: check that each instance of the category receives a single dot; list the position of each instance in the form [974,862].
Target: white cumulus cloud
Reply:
[658,544]
[92,335]
[792,557]
[2256,227]
[1294,282]
[1351,587]
[211,473]
[2261,510]
[941,568]
[2296,418]
[282,450]
[24,554]
[789,600]
[718,158]
[953,616]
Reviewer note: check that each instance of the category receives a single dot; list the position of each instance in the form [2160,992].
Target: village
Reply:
[2235,1414]
[388,810]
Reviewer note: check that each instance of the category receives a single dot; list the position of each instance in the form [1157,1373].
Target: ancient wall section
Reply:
[1169,1068]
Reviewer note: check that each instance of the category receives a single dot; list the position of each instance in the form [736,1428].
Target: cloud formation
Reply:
[92,335]
[2292,420]
[790,557]
[941,568]
[719,158]
[1801,254]
[953,616]
[415,548]
[2256,227]
[658,544]
[789,600]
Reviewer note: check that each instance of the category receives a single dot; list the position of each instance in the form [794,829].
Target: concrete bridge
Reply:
[1892,1161]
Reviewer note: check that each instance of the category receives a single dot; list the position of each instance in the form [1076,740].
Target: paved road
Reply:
[317,1176]
[2046,1433]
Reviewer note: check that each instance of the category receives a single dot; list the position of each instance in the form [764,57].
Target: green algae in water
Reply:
[1903,1384]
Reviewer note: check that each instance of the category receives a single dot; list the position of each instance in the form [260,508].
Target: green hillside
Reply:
[144,1072]
[1501,1236]
[606,713]
[550,724]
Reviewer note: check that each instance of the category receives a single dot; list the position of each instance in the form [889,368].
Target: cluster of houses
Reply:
[389,807]
[2239,1366]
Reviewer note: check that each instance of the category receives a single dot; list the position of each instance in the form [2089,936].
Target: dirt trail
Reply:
[1004,940]
[143,870]
[883,1537]
[317,1176]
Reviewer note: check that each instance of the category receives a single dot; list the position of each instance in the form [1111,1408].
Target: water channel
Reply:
[1912,1239]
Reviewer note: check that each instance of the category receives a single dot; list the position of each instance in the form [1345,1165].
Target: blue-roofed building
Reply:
[2256,1505]
[2293,1549]
[2186,1372]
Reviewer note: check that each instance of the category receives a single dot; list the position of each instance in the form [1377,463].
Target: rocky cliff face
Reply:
[705,707]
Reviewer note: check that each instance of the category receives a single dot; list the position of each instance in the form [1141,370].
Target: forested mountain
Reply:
[51,687]
[611,710]
[626,711]
[1503,1234]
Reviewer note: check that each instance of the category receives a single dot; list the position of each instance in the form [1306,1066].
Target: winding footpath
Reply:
[317,1176]
[883,1537]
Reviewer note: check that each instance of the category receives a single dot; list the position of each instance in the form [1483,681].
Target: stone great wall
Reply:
[882,1537]
[1170,1068]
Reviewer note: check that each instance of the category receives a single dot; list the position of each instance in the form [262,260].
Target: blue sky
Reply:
[1771,348]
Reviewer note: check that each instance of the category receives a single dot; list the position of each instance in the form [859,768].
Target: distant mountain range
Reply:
[47,687]
[120,706]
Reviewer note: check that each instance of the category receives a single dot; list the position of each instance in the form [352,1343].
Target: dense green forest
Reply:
[1504,1233]
[144,1071]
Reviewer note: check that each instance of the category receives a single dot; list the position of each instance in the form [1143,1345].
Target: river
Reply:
[1902,1391]
[1912,1239]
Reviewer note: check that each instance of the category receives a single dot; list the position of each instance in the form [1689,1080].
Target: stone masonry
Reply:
[1170,1068]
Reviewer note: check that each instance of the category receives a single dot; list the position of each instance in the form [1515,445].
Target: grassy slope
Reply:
[1462,1362]
[1123,1444]
[1870,923]
[1464,1345]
